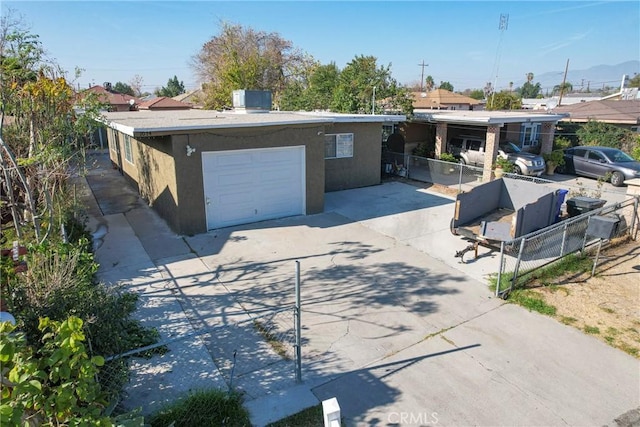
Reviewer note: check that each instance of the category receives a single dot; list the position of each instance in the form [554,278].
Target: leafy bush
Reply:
[606,135]
[505,164]
[53,384]
[204,408]
[561,143]
[448,157]
[556,157]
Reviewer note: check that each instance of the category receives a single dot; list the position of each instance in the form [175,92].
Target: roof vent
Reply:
[252,101]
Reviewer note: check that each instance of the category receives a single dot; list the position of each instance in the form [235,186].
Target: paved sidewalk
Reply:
[390,326]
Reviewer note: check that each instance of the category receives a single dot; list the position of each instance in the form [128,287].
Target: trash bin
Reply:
[579,205]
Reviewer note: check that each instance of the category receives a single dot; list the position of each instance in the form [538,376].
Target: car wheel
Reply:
[517,170]
[617,179]
[461,161]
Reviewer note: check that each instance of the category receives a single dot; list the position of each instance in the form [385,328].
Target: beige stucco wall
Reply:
[364,168]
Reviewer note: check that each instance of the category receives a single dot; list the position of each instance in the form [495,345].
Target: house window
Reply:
[113,140]
[128,152]
[338,145]
[530,134]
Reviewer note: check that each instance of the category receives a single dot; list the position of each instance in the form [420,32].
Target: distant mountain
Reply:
[596,77]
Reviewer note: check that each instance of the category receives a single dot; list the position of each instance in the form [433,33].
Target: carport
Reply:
[532,131]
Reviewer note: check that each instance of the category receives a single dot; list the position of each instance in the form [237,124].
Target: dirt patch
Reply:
[606,305]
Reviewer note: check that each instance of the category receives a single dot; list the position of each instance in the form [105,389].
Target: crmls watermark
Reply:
[413,418]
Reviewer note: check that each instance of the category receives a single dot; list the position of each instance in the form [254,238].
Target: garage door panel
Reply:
[253,185]
[240,197]
[237,159]
[236,178]
[277,176]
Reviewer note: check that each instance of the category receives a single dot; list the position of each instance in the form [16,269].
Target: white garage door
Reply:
[244,186]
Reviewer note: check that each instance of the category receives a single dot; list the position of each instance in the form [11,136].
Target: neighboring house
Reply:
[195,98]
[442,99]
[116,101]
[163,103]
[203,169]
[531,131]
[549,104]
[624,113]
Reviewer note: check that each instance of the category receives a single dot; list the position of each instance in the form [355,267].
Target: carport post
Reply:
[460,178]
[297,326]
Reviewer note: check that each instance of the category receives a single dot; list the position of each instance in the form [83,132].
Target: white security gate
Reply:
[244,186]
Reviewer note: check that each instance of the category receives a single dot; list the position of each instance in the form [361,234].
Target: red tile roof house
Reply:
[163,103]
[116,101]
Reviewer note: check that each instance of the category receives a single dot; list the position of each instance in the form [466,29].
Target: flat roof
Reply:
[485,117]
[147,123]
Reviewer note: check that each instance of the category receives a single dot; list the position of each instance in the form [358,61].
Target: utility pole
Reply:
[564,80]
[504,24]
[422,74]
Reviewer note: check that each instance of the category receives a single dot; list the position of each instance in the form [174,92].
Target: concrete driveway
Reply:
[393,325]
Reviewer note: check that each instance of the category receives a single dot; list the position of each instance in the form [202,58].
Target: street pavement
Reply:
[393,325]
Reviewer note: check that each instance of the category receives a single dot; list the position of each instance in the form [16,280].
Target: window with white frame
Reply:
[128,152]
[530,134]
[338,145]
[113,140]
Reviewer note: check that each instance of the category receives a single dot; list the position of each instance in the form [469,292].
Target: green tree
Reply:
[504,100]
[173,88]
[634,81]
[314,91]
[477,94]
[529,90]
[563,88]
[123,88]
[243,58]
[356,83]
[603,134]
[446,86]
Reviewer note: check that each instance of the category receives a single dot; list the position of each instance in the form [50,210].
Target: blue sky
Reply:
[461,41]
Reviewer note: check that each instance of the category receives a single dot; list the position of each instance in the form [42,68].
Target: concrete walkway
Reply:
[393,325]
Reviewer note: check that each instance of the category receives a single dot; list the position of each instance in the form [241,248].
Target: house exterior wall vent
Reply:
[251,101]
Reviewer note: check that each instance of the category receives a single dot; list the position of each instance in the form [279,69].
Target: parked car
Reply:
[600,162]
[470,150]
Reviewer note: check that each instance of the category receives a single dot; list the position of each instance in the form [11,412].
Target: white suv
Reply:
[469,150]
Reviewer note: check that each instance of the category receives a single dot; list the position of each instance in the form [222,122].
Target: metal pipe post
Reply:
[298,327]
[500,268]
[515,271]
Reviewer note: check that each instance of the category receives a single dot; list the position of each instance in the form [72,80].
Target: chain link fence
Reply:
[253,357]
[521,257]
[463,177]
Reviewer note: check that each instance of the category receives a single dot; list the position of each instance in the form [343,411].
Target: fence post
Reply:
[461,166]
[564,239]
[298,326]
[515,270]
[500,269]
